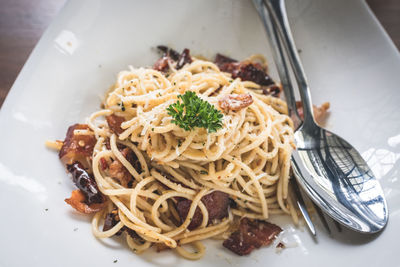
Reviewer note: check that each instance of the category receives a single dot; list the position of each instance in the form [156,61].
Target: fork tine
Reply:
[322,219]
[302,207]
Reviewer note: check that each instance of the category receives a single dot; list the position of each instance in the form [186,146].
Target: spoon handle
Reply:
[278,13]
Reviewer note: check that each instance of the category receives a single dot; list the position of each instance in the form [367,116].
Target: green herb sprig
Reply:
[191,111]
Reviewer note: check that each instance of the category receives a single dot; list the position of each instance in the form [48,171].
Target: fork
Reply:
[284,75]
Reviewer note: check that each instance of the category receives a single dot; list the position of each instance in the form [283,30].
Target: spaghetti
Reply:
[248,159]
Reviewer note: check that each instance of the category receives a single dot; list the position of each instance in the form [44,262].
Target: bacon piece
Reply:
[250,235]
[119,172]
[221,59]
[216,203]
[77,201]
[133,234]
[253,72]
[114,122]
[162,64]
[274,90]
[319,112]
[86,183]
[108,145]
[103,164]
[235,102]
[246,70]
[112,219]
[132,158]
[184,58]
[77,148]
[169,52]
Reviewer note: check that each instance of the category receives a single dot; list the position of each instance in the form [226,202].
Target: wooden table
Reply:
[22,22]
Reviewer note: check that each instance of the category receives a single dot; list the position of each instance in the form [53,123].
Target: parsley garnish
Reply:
[194,112]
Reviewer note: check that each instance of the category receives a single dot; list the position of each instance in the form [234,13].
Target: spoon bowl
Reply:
[338,179]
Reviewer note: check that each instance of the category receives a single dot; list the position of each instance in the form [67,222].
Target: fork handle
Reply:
[278,55]
[278,13]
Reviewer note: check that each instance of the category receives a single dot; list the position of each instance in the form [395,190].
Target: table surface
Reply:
[22,22]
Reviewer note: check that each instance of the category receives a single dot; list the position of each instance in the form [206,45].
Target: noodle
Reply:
[248,158]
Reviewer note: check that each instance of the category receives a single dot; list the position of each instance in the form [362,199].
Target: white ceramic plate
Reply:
[349,61]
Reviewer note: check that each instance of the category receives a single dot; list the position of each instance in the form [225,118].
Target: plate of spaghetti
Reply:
[185,151]
[156,134]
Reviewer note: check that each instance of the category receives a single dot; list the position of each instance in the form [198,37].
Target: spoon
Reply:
[289,96]
[329,169]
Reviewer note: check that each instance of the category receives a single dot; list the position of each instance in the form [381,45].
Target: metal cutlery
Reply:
[290,99]
[328,168]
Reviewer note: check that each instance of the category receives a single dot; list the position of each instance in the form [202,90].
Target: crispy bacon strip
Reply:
[77,201]
[132,158]
[119,172]
[173,56]
[235,102]
[250,235]
[112,219]
[216,203]
[86,183]
[103,164]
[114,122]
[77,148]
[245,70]
[274,90]
[162,64]
[169,52]
[184,58]
[221,59]
[251,72]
